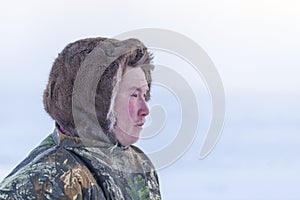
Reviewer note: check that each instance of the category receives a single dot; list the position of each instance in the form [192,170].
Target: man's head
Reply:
[119,116]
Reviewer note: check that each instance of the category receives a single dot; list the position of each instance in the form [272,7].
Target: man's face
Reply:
[130,106]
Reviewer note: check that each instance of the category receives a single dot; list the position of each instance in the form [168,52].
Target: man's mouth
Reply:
[140,123]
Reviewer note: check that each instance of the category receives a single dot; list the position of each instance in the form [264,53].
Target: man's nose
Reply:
[143,108]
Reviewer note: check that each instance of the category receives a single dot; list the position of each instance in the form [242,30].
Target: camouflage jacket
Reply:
[64,167]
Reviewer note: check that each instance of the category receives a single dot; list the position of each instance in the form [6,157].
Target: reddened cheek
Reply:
[131,108]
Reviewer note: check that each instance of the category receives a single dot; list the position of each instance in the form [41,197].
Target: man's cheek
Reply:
[131,109]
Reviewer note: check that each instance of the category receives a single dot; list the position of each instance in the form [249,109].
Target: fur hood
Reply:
[83,82]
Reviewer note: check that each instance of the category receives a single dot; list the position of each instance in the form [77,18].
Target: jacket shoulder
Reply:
[53,173]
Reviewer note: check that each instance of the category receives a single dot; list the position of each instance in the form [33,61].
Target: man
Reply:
[97,93]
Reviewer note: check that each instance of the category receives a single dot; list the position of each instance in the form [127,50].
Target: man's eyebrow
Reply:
[138,89]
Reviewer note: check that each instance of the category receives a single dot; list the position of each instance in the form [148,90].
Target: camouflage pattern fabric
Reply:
[64,167]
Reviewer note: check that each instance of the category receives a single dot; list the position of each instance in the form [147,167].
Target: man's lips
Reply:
[140,124]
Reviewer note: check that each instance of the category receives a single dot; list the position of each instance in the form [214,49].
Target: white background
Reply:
[254,44]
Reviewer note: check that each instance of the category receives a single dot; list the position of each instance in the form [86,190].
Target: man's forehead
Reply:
[134,77]
[133,71]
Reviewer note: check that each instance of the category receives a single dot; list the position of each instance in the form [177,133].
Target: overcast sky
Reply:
[254,45]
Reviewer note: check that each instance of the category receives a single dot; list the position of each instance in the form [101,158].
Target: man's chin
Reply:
[127,139]
[131,140]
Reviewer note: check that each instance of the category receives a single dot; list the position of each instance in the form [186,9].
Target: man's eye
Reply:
[134,95]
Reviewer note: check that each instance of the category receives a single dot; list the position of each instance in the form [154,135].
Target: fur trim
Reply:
[111,115]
